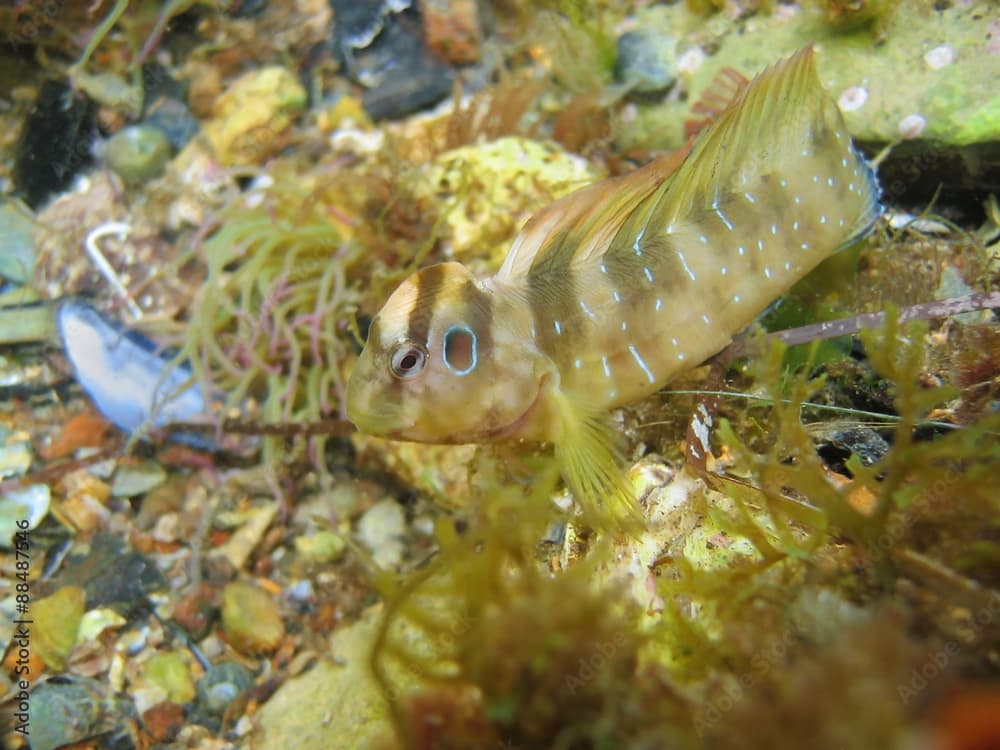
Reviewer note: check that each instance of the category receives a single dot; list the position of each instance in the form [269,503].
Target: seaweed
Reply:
[768,612]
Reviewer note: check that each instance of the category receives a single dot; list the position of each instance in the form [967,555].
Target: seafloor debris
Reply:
[828,577]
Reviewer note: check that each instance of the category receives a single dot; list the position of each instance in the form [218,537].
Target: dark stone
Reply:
[864,442]
[175,120]
[356,23]
[383,50]
[112,577]
[645,61]
[55,142]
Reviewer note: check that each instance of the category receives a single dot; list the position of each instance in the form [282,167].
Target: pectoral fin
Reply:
[593,468]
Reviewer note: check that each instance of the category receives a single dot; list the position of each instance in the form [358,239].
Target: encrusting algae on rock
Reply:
[614,289]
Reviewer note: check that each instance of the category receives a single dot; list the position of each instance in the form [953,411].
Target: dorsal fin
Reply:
[720,94]
[583,224]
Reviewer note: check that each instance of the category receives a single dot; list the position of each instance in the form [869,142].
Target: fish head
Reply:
[438,367]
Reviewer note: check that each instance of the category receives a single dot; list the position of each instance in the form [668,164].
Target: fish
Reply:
[612,290]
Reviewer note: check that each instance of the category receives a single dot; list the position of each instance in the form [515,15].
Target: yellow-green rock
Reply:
[251,118]
[250,619]
[170,671]
[56,623]
[487,191]
[321,547]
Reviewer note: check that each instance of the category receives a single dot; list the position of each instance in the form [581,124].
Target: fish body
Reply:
[612,290]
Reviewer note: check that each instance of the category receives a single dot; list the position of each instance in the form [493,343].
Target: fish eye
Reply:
[407,359]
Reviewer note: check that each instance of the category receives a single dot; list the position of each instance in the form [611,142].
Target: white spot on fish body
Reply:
[587,311]
[774,229]
[724,270]
[577,363]
[723,217]
[843,162]
[639,361]
[822,219]
[617,295]
[681,356]
[606,366]
[749,197]
[760,245]
[673,340]
[798,199]
[604,268]
[706,320]
[804,245]
[659,304]
[784,182]
[638,238]
[558,326]
[624,325]
[788,265]
[830,181]
[806,153]
[736,298]
[852,187]
[795,225]
[687,268]
[648,273]
[767,271]
[741,250]
[703,239]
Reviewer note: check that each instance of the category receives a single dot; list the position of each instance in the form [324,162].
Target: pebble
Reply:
[138,153]
[170,671]
[54,144]
[221,685]
[321,547]
[381,530]
[27,504]
[17,244]
[65,713]
[250,619]
[646,61]
[386,53]
[175,120]
[251,118]
[56,622]
[452,29]
[131,480]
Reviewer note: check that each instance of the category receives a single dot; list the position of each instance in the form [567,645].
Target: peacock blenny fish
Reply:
[612,290]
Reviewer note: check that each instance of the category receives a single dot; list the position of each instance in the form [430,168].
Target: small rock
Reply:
[170,671]
[321,547]
[27,505]
[384,51]
[381,530]
[56,624]
[96,621]
[15,458]
[164,721]
[54,144]
[196,610]
[64,713]
[646,61]
[250,619]
[452,29]
[17,245]
[175,120]
[112,576]
[138,153]
[252,117]
[912,126]
[221,685]
[137,479]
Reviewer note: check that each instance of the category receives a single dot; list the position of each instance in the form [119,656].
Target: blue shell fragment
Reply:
[125,374]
